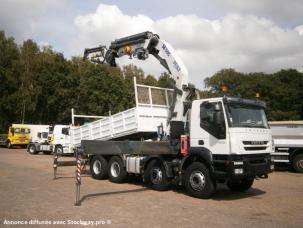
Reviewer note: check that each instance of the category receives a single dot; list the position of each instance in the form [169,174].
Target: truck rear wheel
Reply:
[98,167]
[241,185]
[297,163]
[198,181]
[155,176]
[32,149]
[116,171]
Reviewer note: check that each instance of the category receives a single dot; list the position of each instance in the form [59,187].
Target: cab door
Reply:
[208,127]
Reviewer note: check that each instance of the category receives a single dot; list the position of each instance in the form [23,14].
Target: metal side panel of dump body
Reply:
[106,128]
[151,110]
[127,147]
[287,133]
[142,121]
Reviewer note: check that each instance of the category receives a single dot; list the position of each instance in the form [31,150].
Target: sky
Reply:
[208,35]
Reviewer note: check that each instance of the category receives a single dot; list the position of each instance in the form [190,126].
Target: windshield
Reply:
[21,130]
[242,115]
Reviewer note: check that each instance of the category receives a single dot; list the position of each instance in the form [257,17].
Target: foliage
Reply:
[39,85]
[282,91]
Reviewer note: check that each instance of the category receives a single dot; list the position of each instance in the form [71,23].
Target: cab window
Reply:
[17,130]
[212,119]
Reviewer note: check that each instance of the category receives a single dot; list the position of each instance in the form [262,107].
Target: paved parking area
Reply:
[29,194]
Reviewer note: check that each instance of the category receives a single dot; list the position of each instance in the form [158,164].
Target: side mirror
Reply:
[51,129]
[13,131]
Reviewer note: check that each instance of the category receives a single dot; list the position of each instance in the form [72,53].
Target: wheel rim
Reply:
[97,167]
[300,164]
[31,149]
[197,180]
[115,169]
[59,150]
[156,176]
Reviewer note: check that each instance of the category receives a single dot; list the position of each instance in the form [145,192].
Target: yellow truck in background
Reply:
[18,135]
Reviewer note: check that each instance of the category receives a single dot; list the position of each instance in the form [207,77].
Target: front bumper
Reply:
[241,166]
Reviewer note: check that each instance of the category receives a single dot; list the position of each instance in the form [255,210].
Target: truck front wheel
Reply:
[297,163]
[198,181]
[98,167]
[240,185]
[32,149]
[155,176]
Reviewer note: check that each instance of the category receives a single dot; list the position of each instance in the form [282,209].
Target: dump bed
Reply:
[139,121]
[152,109]
[287,133]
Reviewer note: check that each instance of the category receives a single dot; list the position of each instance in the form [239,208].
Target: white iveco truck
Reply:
[182,139]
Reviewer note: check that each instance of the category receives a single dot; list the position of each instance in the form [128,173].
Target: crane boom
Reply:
[142,45]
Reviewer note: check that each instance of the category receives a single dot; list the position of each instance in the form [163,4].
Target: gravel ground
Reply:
[30,195]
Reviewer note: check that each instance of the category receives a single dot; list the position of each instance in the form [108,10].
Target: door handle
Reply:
[201,142]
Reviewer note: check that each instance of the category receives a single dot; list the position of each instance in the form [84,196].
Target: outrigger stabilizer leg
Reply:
[78,178]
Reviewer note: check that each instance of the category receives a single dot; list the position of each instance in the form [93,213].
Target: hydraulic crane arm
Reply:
[141,46]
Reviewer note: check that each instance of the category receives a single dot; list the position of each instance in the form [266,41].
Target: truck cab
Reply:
[17,136]
[229,131]
[62,140]
[57,140]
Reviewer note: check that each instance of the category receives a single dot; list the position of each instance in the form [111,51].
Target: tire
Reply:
[198,181]
[241,185]
[116,171]
[9,144]
[155,176]
[297,163]
[59,149]
[32,149]
[98,167]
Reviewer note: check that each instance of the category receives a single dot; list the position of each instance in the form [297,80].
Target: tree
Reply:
[150,80]
[281,91]
[42,86]
[165,81]
[9,81]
